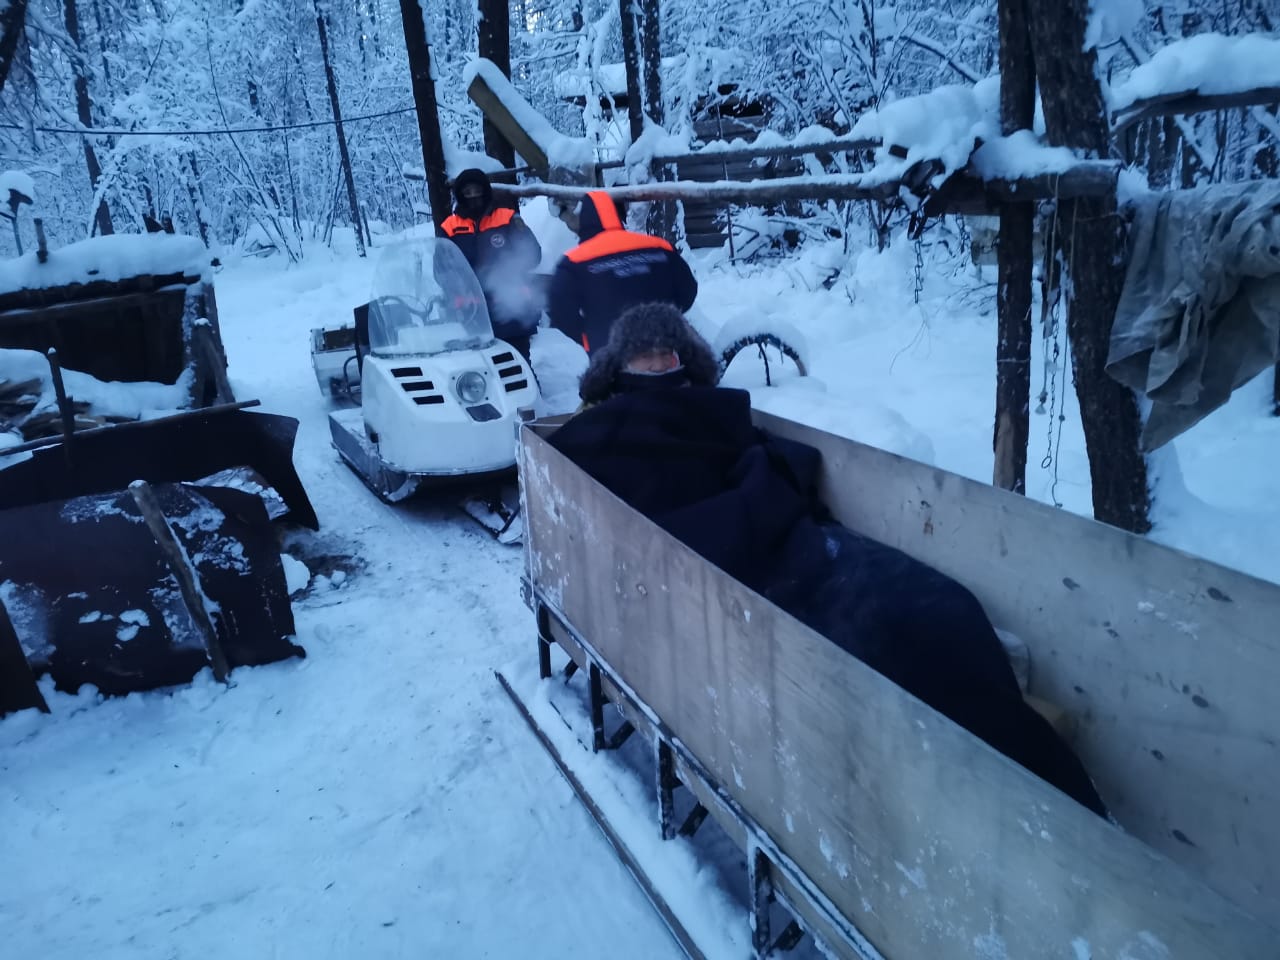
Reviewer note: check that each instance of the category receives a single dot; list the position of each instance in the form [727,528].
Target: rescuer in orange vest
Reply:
[502,251]
[611,270]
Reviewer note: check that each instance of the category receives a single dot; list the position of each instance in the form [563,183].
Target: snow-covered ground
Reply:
[381,798]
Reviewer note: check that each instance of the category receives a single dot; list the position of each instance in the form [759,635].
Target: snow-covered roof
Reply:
[112,258]
[1209,64]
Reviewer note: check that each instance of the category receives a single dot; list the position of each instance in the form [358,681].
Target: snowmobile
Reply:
[435,399]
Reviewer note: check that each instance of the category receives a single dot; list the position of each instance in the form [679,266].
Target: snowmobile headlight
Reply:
[470,387]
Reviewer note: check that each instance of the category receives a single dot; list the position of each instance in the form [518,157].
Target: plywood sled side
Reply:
[1166,662]
[931,843]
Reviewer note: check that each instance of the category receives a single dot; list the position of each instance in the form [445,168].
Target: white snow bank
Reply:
[108,258]
[18,180]
[940,125]
[296,573]
[1208,63]
[133,401]
[561,151]
[1020,154]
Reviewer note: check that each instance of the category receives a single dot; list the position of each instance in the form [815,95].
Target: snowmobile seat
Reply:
[361,316]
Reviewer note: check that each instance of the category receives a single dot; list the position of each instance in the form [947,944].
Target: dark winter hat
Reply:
[641,329]
[472,177]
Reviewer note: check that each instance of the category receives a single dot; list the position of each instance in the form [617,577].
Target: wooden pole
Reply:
[1092,247]
[1014,257]
[412,17]
[495,46]
[184,572]
[631,62]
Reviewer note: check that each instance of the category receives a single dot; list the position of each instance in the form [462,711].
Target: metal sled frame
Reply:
[911,836]
[772,877]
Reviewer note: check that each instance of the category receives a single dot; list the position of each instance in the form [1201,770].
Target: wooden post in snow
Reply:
[631,62]
[424,97]
[495,46]
[1014,256]
[1092,246]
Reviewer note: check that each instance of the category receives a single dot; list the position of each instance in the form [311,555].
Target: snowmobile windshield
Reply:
[426,300]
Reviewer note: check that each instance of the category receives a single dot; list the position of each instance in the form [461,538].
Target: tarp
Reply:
[1200,311]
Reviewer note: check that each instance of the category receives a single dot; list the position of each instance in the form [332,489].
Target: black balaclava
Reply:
[472,209]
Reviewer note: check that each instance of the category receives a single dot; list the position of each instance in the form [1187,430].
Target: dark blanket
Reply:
[691,460]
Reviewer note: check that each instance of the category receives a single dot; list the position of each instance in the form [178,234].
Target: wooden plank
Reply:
[1167,662]
[496,112]
[933,844]
[18,689]
[1189,102]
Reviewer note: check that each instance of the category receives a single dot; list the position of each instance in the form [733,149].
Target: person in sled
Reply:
[650,347]
[691,460]
[502,251]
[612,269]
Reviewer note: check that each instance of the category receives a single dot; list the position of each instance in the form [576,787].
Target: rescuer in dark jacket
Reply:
[610,270]
[502,251]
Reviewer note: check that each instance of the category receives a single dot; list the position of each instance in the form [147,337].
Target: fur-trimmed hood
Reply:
[645,327]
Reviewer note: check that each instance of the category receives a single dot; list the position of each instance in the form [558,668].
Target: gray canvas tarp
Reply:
[1200,311]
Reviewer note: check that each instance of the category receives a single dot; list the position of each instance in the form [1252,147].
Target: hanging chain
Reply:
[966,241]
[919,270]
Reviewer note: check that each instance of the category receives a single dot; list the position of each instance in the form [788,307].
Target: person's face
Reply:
[472,196]
[653,361]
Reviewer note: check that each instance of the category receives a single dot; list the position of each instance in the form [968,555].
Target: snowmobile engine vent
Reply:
[483,412]
[409,386]
[515,385]
[429,398]
[406,371]
[512,371]
[505,357]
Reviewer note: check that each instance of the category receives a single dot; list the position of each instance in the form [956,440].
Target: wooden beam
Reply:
[1013,256]
[496,112]
[1189,101]
[1089,178]
[839,145]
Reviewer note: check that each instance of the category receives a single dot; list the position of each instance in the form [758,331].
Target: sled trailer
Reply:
[860,823]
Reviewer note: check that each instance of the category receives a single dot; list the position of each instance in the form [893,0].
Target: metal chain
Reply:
[966,241]
[919,270]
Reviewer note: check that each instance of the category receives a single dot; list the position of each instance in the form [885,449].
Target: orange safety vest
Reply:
[455,225]
[614,238]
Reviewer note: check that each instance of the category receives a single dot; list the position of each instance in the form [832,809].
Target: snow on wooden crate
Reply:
[107,259]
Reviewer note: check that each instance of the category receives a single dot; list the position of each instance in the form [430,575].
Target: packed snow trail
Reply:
[379,799]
